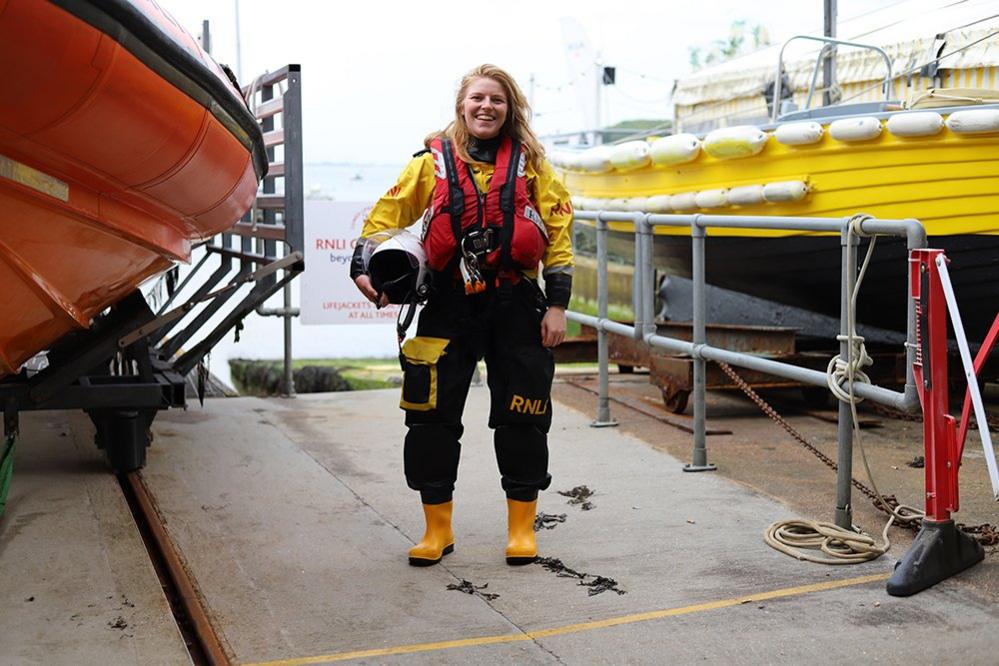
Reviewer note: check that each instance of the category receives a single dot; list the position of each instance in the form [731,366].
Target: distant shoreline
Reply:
[357,164]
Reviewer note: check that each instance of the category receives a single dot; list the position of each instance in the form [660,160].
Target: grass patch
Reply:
[589,307]
[361,374]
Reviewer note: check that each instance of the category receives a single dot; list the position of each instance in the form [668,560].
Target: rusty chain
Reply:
[986,534]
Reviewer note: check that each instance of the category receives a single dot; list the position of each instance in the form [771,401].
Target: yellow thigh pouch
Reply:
[419,363]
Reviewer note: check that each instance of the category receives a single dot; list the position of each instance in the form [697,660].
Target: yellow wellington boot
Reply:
[438,540]
[522,548]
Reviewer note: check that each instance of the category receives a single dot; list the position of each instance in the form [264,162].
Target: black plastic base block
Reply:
[939,551]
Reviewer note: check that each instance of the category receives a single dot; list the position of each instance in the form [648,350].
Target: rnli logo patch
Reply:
[562,208]
[523,405]
[394,190]
[439,170]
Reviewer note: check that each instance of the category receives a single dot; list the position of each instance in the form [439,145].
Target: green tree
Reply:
[735,44]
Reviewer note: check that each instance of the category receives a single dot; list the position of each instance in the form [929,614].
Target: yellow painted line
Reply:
[576,628]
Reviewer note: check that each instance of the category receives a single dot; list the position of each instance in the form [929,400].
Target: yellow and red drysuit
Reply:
[501,324]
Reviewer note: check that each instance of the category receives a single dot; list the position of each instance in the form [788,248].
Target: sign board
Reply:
[329,296]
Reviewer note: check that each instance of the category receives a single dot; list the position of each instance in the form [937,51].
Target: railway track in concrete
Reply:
[203,643]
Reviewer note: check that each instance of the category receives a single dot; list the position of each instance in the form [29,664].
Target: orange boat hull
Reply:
[108,170]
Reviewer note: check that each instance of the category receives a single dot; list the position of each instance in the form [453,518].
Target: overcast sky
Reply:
[379,76]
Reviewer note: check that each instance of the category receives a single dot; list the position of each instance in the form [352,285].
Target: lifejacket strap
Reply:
[456,196]
[507,199]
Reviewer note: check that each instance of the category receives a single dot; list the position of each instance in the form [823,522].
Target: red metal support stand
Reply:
[940,550]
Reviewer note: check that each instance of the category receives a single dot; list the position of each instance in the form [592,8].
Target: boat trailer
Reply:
[130,364]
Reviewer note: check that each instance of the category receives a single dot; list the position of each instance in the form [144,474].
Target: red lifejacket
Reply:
[519,232]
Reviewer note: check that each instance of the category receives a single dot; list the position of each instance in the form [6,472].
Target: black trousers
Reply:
[502,325]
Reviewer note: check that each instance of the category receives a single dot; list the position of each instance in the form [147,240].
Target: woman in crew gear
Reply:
[493,211]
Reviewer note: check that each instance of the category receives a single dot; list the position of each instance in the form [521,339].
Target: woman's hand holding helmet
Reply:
[363,283]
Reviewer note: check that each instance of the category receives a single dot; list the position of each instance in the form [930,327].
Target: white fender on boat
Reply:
[788,190]
[747,195]
[616,204]
[732,142]
[915,123]
[677,149]
[855,129]
[638,204]
[572,160]
[596,159]
[711,198]
[683,201]
[630,155]
[659,203]
[974,121]
[799,134]
[566,159]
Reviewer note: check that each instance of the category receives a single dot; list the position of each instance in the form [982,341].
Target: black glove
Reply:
[356,262]
[558,289]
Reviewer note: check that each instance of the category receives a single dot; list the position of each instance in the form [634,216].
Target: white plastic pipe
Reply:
[969,374]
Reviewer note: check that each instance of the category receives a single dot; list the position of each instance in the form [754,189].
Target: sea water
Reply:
[263,337]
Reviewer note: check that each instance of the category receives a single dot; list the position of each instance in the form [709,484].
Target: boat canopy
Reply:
[912,32]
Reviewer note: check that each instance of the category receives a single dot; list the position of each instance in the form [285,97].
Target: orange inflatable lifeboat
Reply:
[121,142]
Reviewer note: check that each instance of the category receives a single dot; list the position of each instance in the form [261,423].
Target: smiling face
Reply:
[484,108]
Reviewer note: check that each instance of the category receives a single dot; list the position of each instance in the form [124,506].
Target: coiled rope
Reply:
[843,546]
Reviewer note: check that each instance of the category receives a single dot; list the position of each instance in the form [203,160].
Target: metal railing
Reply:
[291,206]
[644,328]
[828,43]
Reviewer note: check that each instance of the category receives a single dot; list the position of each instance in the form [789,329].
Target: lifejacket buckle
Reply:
[477,242]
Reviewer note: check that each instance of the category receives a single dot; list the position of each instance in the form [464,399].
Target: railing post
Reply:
[648,278]
[638,278]
[844,510]
[700,457]
[915,239]
[603,419]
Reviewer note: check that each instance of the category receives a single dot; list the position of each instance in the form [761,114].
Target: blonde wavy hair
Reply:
[517,123]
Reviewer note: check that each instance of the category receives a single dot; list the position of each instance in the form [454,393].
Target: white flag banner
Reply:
[329,296]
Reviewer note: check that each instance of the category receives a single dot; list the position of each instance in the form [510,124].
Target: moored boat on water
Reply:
[927,150]
[124,143]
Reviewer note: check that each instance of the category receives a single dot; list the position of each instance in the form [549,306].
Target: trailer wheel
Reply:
[675,400]
[127,439]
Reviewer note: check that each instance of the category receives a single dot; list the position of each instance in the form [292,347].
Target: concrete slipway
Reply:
[293,519]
